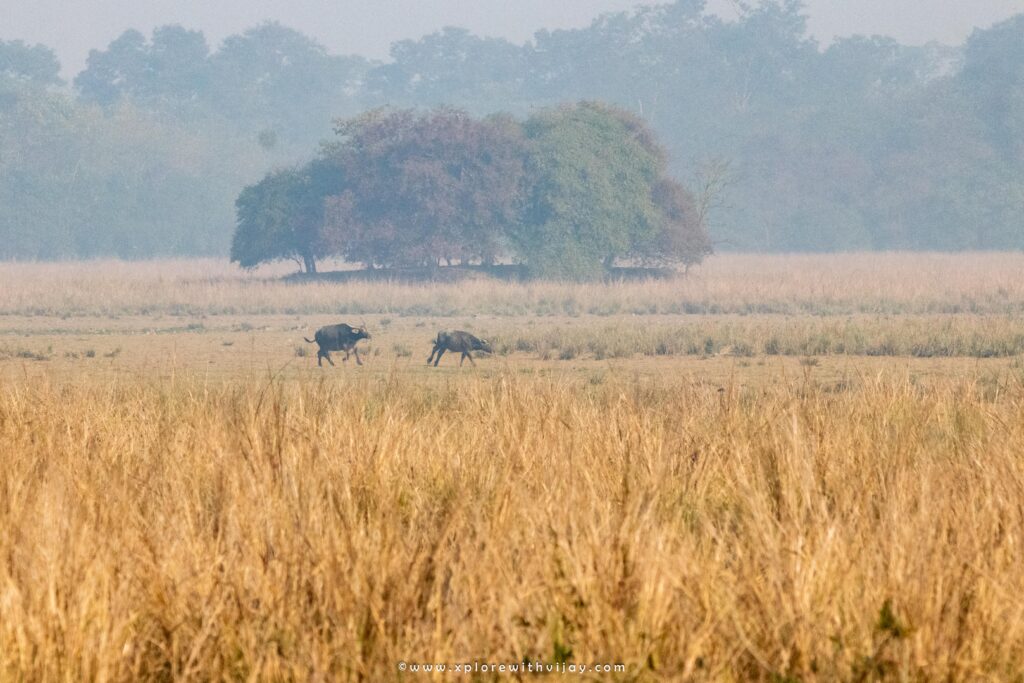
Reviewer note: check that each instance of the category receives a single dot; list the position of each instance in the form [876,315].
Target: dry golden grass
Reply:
[979,283]
[734,495]
[755,350]
[158,530]
[919,336]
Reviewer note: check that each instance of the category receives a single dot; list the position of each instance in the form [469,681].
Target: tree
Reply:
[598,192]
[681,237]
[424,187]
[282,216]
[274,78]
[451,65]
[169,73]
[178,66]
[111,73]
[34,64]
[993,75]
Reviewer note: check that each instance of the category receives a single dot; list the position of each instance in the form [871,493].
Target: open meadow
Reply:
[772,468]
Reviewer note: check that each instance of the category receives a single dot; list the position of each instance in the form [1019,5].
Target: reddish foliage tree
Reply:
[681,237]
[424,187]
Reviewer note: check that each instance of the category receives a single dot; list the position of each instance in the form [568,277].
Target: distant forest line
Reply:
[864,144]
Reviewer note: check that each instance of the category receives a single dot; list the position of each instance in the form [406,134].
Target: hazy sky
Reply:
[368,27]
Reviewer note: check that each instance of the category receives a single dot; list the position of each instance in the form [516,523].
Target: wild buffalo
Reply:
[458,342]
[340,337]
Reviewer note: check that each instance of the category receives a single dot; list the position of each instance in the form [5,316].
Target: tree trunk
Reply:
[309,262]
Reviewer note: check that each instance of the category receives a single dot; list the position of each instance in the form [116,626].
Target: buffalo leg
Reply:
[431,356]
[356,351]
[327,355]
[440,353]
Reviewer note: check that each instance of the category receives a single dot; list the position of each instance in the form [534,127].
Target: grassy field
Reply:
[778,468]
[981,283]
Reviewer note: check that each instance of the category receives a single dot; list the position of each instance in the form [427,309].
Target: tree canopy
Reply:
[35,64]
[566,192]
[282,216]
[424,186]
[592,172]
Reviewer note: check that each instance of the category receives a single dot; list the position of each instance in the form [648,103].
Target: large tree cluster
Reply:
[566,192]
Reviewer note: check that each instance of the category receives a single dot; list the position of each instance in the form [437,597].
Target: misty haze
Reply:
[867,143]
[740,286]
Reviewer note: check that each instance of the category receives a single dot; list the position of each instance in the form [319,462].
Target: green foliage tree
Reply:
[282,216]
[593,172]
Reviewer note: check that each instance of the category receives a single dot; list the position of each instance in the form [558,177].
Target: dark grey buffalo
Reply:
[457,342]
[340,337]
